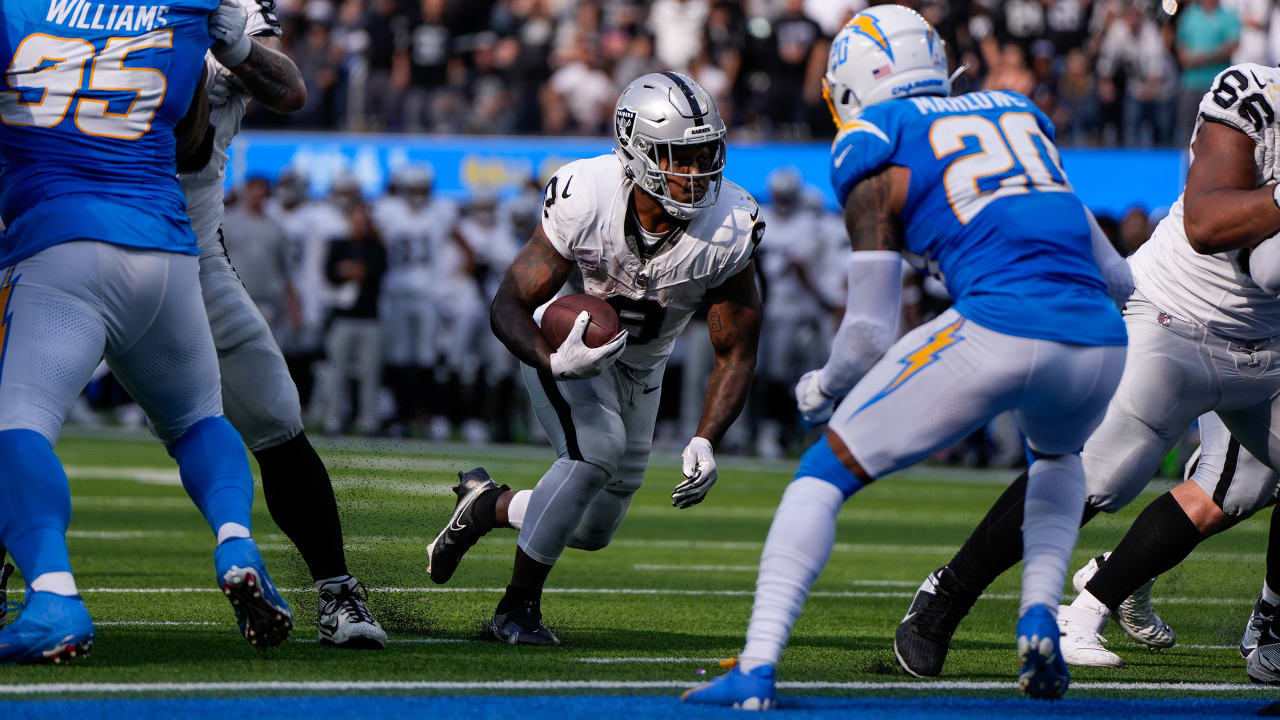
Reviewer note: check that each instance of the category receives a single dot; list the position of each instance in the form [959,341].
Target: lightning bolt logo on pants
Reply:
[918,359]
[6,317]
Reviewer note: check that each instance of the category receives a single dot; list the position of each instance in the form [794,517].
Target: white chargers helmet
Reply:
[667,117]
[885,52]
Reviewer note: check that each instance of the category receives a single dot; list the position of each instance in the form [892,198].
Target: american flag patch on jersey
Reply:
[881,71]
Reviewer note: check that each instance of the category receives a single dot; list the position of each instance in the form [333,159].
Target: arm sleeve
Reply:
[1115,269]
[870,323]
[1264,265]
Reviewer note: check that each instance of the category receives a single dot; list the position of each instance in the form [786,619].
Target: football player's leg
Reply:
[160,347]
[51,338]
[1064,403]
[261,402]
[945,366]
[1163,388]
[604,515]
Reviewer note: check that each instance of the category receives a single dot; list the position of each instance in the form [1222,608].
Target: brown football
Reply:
[558,319]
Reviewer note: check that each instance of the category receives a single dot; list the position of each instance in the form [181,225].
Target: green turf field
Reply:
[671,595]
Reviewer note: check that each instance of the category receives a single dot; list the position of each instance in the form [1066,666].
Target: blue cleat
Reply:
[50,629]
[264,617]
[1044,673]
[736,689]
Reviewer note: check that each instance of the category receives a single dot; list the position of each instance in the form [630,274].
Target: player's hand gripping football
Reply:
[231,44]
[699,474]
[573,360]
[814,403]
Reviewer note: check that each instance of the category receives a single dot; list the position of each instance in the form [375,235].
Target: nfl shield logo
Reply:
[1164,319]
[623,122]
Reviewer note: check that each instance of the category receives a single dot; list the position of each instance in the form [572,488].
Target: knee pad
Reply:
[820,462]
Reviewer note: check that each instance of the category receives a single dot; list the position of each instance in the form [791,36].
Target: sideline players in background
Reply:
[259,396]
[971,187]
[99,259]
[656,230]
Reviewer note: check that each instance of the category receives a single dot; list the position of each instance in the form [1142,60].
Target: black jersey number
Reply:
[642,319]
[1254,108]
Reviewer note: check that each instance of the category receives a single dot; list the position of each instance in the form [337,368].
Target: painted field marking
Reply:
[849,594]
[407,641]
[159,623]
[659,660]
[124,534]
[508,685]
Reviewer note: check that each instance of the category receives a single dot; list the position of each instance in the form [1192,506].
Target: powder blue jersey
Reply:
[88,105]
[989,211]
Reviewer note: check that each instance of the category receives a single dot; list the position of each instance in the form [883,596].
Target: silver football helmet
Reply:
[666,118]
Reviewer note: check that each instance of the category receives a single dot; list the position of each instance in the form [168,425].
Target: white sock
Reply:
[1086,601]
[337,583]
[1269,596]
[515,511]
[230,531]
[799,543]
[58,583]
[1050,524]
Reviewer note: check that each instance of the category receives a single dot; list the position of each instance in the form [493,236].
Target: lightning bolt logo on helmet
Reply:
[869,26]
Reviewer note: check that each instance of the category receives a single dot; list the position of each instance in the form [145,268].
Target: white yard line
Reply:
[656,660]
[852,594]
[158,623]
[407,641]
[924,686]
[146,475]
[124,534]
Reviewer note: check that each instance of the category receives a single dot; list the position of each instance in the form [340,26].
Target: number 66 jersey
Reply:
[655,283]
[89,99]
[989,211]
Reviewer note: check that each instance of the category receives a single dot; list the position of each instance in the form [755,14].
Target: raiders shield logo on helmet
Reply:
[625,120]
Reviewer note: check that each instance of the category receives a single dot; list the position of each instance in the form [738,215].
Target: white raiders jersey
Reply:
[494,247]
[1216,290]
[587,217]
[799,241]
[414,238]
[308,230]
[203,187]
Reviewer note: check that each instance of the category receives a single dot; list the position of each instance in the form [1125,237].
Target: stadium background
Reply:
[491,96]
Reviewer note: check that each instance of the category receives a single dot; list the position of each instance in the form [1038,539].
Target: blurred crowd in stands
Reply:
[1111,72]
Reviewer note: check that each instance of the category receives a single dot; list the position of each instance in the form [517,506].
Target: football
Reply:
[558,319]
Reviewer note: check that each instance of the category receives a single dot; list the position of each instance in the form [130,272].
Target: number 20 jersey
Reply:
[989,211]
[585,216]
[88,102]
[1216,290]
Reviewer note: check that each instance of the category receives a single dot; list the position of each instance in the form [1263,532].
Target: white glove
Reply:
[573,360]
[699,471]
[814,403]
[231,44]
[219,88]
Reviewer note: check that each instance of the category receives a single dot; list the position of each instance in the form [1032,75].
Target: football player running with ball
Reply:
[971,187]
[655,230]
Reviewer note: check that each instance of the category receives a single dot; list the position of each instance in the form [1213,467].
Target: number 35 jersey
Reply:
[989,211]
[88,103]
[1216,290]
[587,217]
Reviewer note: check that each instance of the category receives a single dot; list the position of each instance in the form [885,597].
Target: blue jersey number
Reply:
[47,73]
[1012,157]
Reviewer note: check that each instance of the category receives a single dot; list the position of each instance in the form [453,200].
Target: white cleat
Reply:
[1136,615]
[1081,643]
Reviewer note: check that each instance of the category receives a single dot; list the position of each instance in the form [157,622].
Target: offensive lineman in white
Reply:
[1204,334]
[654,229]
[259,397]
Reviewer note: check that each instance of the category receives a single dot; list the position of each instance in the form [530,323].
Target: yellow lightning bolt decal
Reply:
[6,291]
[920,358]
[868,26]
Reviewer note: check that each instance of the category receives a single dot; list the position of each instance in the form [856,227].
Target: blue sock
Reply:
[215,471]
[35,504]
[820,461]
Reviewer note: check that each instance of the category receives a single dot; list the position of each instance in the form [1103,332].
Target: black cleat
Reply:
[925,633]
[521,625]
[464,529]
[5,572]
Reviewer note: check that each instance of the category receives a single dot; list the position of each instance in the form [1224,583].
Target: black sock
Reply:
[1161,537]
[517,595]
[486,511]
[1273,553]
[996,544]
[300,499]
